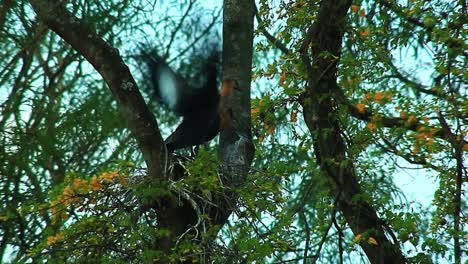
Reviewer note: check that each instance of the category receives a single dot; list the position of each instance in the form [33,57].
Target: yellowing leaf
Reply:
[109,176]
[123,181]
[372,241]
[299,4]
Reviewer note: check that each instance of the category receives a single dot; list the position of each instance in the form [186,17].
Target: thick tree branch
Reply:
[324,38]
[106,60]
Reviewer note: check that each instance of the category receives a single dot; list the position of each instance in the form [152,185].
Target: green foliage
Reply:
[70,193]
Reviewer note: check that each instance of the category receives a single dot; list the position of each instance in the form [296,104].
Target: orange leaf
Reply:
[51,240]
[255,111]
[68,191]
[361,108]
[294,116]
[362,13]
[282,78]
[371,126]
[378,97]
[95,183]
[354,8]
[365,32]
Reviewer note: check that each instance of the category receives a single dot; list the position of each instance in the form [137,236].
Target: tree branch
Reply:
[457,147]
[389,122]
[106,60]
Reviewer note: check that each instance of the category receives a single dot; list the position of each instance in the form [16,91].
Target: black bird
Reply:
[198,105]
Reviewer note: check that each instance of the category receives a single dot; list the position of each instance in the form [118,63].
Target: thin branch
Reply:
[176,30]
[307,241]
[416,86]
[340,236]
[198,38]
[321,243]
[458,152]
[276,42]
[391,148]
[399,11]
[390,122]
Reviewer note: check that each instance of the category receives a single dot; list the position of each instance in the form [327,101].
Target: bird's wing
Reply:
[167,85]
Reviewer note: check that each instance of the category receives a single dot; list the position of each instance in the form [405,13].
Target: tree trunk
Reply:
[325,36]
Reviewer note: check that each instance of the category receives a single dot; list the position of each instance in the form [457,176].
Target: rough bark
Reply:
[325,37]
[236,150]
